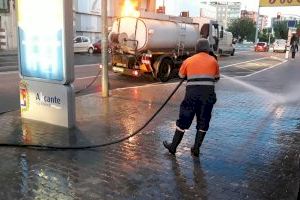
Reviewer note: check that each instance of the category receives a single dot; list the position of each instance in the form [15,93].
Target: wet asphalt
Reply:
[251,150]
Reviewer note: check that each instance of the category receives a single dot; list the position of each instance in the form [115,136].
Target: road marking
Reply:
[175,83]
[276,58]
[265,69]
[140,86]
[88,65]
[243,62]
[87,77]
[97,64]
[242,52]
[251,70]
[234,64]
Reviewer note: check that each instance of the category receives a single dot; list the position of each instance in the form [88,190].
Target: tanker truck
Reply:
[157,44]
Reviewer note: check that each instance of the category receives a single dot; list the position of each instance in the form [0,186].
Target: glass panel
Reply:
[141,34]
[4,6]
[78,40]
[85,39]
[260,44]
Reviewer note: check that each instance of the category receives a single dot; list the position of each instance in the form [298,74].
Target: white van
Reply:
[225,44]
[279,45]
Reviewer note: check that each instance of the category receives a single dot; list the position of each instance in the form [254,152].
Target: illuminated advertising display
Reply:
[47,102]
[45,40]
[272,3]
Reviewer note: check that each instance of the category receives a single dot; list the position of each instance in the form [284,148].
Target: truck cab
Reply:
[221,41]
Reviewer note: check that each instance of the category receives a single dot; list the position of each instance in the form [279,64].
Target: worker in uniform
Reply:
[294,49]
[294,41]
[201,72]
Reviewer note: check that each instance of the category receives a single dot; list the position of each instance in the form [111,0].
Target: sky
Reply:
[174,7]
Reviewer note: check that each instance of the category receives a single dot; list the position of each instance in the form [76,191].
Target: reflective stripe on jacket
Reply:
[200,69]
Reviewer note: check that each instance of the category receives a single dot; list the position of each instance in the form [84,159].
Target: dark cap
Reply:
[202,45]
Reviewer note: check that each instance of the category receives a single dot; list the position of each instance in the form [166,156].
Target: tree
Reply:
[281,30]
[298,25]
[243,28]
[263,35]
[298,28]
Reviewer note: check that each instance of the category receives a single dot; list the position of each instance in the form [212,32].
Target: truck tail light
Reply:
[146,61]
[146,58]
[135,73]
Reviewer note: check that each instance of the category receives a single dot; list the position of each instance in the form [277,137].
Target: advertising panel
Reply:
[48,102]
[45,40]
[272,3]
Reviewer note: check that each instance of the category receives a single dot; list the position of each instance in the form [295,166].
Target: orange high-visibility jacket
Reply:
[200,69]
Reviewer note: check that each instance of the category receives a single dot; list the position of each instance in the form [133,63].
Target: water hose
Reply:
[86,147]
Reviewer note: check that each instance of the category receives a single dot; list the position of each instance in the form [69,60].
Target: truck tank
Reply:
[159,34]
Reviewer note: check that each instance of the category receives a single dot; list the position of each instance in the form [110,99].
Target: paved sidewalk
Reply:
[250,152]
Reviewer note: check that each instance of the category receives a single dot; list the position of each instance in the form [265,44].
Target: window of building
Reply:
[4,6]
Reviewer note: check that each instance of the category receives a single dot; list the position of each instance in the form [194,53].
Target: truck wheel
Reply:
[91,50]
[164,70]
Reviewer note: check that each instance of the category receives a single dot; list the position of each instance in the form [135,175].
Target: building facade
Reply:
[86,18]
[8,24]
[87,15]
[262,20]
[208,11]
[285,18]
[226,11]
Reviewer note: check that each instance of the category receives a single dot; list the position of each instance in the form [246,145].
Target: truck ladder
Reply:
[182,35]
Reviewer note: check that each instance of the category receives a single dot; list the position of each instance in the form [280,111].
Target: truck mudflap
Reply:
[126,71]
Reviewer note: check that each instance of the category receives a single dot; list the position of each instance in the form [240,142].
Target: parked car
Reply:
[279,45]
[261,46]
[83,44]
[97,47]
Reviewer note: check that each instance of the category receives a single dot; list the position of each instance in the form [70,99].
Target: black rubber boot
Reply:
[176,140]
[195,150]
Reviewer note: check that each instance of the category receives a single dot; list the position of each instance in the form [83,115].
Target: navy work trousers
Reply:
[199,100]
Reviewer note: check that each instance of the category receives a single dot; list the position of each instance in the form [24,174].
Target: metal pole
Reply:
[256,31]
[104,47]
